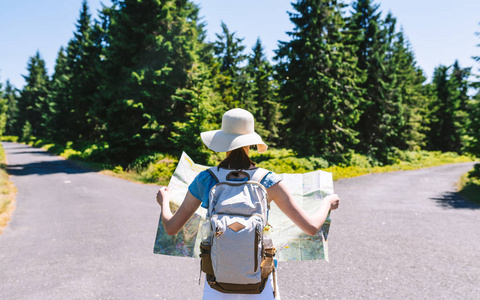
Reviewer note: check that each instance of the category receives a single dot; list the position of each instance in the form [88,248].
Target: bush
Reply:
[27,132]
[153,168]
[475,173]
[9,138]
[359,160]
[294,164]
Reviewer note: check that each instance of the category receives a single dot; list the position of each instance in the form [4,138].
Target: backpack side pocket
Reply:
[206,258]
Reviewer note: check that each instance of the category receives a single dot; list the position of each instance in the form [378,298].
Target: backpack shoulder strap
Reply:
[259,174]
[219,174]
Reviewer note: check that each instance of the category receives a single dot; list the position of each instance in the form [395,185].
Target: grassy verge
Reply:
[7,193]
[158,167]
[431,160]
[283,161]
[469,185]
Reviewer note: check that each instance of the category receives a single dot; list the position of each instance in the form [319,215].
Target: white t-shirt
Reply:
[267,293]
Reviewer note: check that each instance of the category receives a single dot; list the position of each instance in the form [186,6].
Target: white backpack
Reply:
[237,215]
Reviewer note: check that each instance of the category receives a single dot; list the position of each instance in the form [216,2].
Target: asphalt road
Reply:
[77,234]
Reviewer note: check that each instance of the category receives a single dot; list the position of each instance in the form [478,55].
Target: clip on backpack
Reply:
[235,254]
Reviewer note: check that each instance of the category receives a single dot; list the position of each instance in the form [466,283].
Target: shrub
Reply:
[475,173]
[27,132]
[294,164]
[9,138]
[153,168]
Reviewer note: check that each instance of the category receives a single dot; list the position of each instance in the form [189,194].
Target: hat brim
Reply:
[219,141]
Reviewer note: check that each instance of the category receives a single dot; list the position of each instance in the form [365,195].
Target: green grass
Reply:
[424,159]
[284,161]
[158,167]
[7,193]
[469,185]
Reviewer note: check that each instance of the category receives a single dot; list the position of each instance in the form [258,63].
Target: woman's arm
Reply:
[309,224]
[174,222]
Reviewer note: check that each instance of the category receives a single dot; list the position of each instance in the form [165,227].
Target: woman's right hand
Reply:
[163,195]
[334,201]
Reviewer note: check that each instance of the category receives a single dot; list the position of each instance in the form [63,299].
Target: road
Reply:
[78,234]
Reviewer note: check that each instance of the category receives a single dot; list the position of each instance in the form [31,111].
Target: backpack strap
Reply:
[213,173]
[259,175]
[221,174]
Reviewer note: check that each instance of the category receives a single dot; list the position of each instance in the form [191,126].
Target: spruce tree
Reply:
[83,58]
[204,111]
[472,144]
[151,47]
[459,80]
[264,94]
[447,127]
[473,107]
[318,76]
[60,97]
[11,94]
[233,81]
[3,111]
[375,124]
[34,106]
[406,103]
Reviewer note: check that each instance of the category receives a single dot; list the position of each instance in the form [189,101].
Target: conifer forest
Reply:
[141,79]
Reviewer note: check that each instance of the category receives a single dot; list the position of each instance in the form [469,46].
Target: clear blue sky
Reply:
[440,31]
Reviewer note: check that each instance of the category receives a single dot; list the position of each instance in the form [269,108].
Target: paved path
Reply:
[76,234]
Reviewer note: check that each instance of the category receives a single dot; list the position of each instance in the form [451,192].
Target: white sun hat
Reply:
[237,131]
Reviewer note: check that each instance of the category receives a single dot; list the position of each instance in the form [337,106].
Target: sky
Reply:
[439,31]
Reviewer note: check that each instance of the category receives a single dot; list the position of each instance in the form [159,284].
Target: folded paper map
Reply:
[291,243]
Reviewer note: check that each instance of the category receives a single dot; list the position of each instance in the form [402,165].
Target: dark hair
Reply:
[237,160]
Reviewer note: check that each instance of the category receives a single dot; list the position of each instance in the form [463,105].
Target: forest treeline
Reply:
[142,79]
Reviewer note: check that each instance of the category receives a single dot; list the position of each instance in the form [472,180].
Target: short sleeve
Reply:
[201,186]
[270,180]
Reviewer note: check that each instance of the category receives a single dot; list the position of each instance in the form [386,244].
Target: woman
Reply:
[235,138]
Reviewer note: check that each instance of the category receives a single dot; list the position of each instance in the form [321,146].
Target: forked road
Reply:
[76,234]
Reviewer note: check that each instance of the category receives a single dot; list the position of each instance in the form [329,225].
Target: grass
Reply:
[284,161]
[431,159]
[469,185]
[158,167]
[7,193]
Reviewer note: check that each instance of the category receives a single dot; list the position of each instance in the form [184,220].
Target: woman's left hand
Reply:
[163,195]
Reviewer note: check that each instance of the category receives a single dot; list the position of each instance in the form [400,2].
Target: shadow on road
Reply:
[34,152]
[455,200]
[46,168]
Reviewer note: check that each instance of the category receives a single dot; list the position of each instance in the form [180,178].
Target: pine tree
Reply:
[11,94]
[372,50]
[83,58]
[473,126]
[151,47]
[406,103]
[472,144]
[318,76]
[265,95]
[34,106]
[203,104]
[60,97]
[233,82]
[3,111]
[459,80]
[447,128]
[204,112]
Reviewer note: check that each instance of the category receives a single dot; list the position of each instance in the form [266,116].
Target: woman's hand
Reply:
[334,201]
[163,196]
